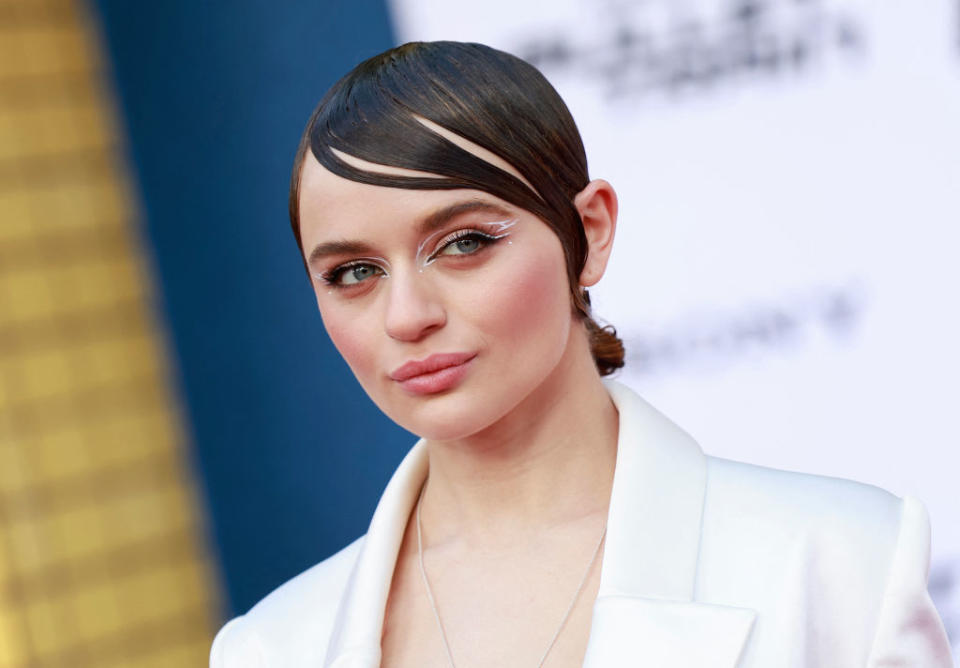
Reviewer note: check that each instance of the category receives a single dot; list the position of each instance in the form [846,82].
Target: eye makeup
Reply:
[350,274]
[484,233]
[462,242]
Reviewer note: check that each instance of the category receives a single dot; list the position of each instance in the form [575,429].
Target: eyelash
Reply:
[461,235]
[332,277]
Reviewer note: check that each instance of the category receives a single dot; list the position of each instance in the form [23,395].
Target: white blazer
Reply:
[708,563]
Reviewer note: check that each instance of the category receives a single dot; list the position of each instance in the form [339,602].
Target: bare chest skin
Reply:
[499,607]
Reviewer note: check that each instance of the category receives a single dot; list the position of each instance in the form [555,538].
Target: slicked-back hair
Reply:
[490,98]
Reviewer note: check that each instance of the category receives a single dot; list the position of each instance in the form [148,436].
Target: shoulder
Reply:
[756,505]
[800,498]
[844,561]
[290,625]
[825,544]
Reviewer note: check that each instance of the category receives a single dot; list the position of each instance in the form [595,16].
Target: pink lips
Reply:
[434,374]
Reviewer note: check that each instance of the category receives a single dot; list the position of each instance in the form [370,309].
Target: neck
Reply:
[549,461]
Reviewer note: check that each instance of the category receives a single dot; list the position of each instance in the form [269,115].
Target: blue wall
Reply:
[292,456]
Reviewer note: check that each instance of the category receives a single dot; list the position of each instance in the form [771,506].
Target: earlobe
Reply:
[597,206]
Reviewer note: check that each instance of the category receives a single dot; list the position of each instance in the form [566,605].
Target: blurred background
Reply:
[177,434]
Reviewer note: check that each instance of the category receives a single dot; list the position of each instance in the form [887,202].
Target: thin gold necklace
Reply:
[433,603]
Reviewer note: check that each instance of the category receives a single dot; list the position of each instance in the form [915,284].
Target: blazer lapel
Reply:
[355,641]
[645,613]
[636,631]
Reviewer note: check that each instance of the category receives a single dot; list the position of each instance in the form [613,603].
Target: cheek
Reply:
[527,297]
[348,333]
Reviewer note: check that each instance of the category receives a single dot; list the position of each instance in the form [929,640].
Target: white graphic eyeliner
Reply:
[500,230]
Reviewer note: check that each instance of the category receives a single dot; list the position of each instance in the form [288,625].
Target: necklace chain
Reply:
[436,612]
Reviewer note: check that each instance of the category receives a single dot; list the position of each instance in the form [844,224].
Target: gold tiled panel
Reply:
[102,561]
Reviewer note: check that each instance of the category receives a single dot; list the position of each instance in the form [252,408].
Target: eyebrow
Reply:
[430,223]
[439,218]
[329,248]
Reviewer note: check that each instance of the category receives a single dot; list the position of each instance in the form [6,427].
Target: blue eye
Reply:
[352,274]
[466,244]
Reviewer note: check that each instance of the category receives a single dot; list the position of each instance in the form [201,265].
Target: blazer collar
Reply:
[644,613]
[355,641]
[653,528]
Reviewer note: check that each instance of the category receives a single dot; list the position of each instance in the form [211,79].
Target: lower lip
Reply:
[437,381]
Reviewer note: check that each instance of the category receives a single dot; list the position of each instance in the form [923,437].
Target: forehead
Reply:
[326,197]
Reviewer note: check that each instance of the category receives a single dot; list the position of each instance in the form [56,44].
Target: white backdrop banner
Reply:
[786,273]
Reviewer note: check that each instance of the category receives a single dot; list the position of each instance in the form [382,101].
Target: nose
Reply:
[413,310]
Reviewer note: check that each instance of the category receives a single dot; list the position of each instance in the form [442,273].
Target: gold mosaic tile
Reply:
[102,556]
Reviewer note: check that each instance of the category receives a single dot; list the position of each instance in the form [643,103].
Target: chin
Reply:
[446,418]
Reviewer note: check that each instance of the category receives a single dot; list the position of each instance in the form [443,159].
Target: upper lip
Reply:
[429,365]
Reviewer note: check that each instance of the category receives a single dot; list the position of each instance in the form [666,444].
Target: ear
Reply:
[597,205]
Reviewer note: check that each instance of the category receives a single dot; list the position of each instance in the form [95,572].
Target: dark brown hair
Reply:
[493,99]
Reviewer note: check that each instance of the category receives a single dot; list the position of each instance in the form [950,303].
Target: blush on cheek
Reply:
[352,346]
[531,297]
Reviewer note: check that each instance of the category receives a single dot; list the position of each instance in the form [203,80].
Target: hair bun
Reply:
[606,346]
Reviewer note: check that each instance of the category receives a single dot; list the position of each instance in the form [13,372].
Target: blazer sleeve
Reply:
[909,631]
[236,646]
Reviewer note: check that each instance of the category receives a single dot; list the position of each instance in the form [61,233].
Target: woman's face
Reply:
[450,306]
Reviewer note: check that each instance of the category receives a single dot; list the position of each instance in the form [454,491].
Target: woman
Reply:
[441,201]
